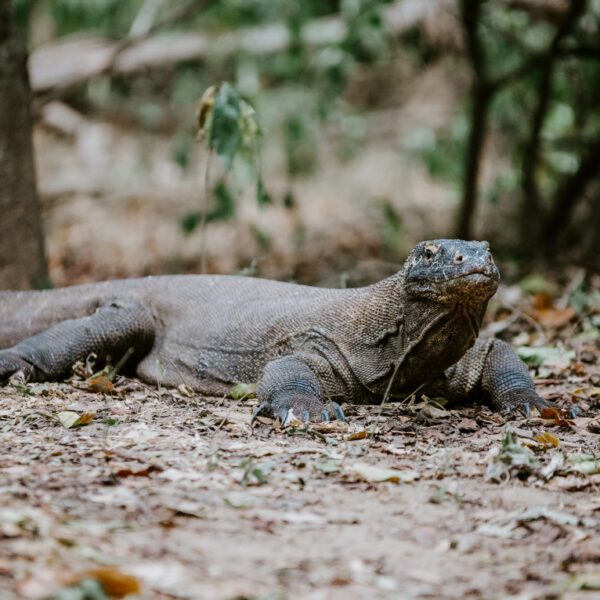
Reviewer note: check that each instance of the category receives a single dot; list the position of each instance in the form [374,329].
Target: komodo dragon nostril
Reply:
[458,258]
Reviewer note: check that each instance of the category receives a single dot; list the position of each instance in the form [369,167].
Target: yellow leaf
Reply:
[357,435]
[547,439]
[587,392]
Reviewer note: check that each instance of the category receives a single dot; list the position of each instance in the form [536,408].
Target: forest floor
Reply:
[165,494]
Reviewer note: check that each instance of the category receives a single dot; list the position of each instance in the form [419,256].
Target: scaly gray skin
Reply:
[309,348]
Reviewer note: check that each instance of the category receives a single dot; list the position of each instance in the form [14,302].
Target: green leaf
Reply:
[248,124]
[190,222]
[226,133]
[289,201]
[585,463]
[262,196]
[225,203]
[86,589]
[511,459]
[254,474]
[545,354]
[242,390]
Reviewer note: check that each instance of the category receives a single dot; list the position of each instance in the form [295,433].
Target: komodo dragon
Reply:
[308,348]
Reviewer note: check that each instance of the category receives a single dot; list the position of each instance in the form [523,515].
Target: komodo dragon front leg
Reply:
[112,329]
[492,369]
[290,387]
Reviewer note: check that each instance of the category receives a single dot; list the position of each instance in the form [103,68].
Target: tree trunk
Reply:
[591,257]
[22,258]
[482,96]
[531,218]
[570,193]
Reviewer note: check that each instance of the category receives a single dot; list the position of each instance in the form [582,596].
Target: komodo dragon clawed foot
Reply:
[11,364]
[520,401]
[301,408]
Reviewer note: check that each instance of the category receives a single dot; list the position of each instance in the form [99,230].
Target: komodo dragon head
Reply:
[451,272]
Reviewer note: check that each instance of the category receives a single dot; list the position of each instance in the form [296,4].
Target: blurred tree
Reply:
[535,83]
[22,258]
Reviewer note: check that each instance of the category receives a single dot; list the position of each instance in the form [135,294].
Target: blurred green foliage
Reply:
[302,90]
[511,38]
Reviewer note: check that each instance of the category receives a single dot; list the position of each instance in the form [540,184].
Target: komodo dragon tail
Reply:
[23,314]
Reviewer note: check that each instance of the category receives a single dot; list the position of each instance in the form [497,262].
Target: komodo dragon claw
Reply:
[522,401]
[339,413]
[286,414]
[261,409]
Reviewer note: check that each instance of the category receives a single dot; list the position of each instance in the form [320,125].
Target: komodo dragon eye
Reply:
[430,251]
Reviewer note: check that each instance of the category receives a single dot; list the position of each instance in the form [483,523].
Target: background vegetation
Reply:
[513,158]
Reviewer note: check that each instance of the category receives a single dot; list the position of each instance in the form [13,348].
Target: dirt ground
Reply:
[169,495]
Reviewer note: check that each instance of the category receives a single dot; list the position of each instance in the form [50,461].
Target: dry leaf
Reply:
[554,318]
[330,427]
[101,383]
[114,582]
[558,416]
[586,393]
[467,425]
[70,419]
[433,412]
[379,474]
[593,426]
[145,472]
[547,439]
[185,390]
[357,435]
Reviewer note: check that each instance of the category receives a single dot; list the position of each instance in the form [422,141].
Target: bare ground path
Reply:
[182,496]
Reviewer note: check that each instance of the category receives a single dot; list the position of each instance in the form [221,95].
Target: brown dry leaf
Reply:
[547,439]
[554,318]
[145,472]
[467,425]
[357,435]
[542,301]
[114,582]
[433,412]
[558,416]
[101,383]
[578,368]
[330,427]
